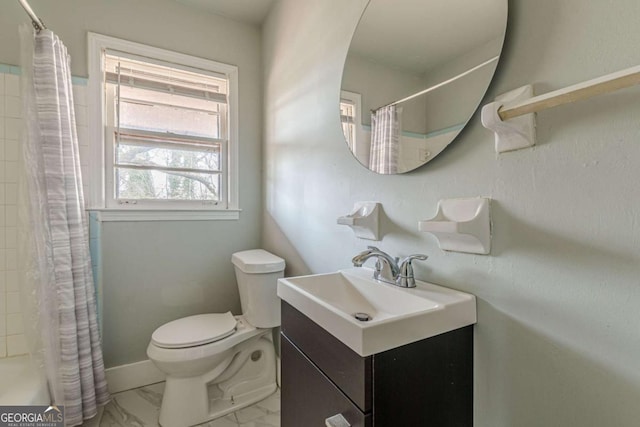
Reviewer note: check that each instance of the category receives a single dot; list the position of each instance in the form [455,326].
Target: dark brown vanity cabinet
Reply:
[428,383]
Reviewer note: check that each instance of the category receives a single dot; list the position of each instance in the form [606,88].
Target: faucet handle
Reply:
[406,279]
[376,249]
[410,258]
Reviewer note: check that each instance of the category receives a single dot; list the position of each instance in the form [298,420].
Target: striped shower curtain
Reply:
[59,265]
[385,139]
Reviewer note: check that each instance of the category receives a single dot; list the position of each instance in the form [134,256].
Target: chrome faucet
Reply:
[387,269]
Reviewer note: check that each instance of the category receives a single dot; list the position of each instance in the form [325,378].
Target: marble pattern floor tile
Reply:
[141,408]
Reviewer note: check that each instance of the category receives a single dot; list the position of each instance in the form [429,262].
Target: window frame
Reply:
[99,184]
[356,100]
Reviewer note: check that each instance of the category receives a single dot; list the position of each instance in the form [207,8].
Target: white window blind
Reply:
[167,133]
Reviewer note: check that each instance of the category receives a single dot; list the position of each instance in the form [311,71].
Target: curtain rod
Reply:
[439,85]
[37,22]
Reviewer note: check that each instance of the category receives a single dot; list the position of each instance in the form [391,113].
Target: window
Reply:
[350,106]
[347,118]
[167,132]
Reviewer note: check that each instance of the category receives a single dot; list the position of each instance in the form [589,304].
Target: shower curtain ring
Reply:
[38,26]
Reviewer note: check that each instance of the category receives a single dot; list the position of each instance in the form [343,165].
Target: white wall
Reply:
[158,271]
[557,338]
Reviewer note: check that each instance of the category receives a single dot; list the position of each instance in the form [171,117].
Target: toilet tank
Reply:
[257,274]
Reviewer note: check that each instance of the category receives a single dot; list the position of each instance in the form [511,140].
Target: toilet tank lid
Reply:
[257,261]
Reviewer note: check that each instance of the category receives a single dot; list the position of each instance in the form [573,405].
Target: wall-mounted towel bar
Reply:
[515,134]
[605,84]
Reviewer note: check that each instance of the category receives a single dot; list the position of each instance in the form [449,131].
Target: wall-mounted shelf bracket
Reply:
[461,225]
[364,220]
[506,116]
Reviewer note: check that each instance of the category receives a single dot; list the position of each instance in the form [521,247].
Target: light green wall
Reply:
[158,271]
[557,340]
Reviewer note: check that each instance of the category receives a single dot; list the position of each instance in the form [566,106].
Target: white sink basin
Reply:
[398,316]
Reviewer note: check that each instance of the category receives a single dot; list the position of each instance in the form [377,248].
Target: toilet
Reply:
[218,363]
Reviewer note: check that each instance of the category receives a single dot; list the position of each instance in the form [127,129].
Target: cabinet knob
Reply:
[337,421]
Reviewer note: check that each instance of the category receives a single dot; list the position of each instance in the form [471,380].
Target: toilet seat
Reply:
[243,332]
[194,331]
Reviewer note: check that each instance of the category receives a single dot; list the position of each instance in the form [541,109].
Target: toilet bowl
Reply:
[218,363]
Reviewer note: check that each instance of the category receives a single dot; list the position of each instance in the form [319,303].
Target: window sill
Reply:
[109,215]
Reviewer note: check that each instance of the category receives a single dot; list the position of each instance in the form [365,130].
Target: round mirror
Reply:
[415,73]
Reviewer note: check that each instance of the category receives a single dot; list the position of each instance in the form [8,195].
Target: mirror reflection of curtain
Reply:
[385,139]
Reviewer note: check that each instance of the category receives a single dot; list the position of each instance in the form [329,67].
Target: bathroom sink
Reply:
[370,316]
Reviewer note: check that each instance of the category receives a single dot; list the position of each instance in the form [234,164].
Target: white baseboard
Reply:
[133,375]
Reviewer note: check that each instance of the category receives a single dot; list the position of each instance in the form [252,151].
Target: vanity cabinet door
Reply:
[428,383]
[350,372]
[309,397]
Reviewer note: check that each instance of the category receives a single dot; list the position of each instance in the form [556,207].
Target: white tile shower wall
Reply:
[12,339]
